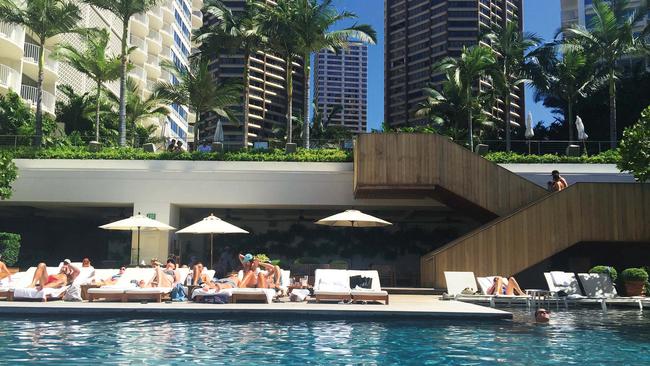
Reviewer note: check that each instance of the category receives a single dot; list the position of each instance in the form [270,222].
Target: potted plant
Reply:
[611,271]
[634,279]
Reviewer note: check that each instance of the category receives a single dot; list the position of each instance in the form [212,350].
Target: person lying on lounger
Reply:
[4,271]
[502,286]
[198,277]
[232,281]
[66,275]
[272,277]
[167,277]
[113,279]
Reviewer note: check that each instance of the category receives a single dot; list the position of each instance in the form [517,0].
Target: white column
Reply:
[154,244]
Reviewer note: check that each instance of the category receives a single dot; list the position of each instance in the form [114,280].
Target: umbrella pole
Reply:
[138,262]
[211,248]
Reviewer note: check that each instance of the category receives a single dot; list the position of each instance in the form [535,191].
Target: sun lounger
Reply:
[597,285]
[45,294]
[564,281]
[153,293]
[117,291]
[17,280]
[457,282]
[332,285]
[375,293]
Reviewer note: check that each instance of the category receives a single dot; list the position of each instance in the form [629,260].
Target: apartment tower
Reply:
[162,33]
[342,79]
[420,33]
[267,99]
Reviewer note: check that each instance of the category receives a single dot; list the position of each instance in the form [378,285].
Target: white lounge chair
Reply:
[17,280]
[153,293]
[117,291]
[375,293]
[457,282]
[597,285]
[24,293]
[332,285]
[564,281]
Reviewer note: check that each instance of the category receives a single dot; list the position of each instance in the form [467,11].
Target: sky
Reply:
[540,16]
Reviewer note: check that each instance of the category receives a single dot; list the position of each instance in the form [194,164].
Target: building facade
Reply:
[267,100]
[162,33]
[341,79]
[420,33]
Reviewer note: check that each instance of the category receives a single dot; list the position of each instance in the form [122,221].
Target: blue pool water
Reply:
[574,337]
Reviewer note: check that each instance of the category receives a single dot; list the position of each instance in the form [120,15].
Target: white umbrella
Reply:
[529,126]
[218,132]
[138,222]
[582,135]
[212,225]
[353,218]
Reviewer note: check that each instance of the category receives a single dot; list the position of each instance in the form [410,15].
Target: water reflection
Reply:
[582,336]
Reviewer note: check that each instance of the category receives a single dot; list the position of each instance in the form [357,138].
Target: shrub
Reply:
[634,274]
[635,148]
[611,271]
[306,260]
[8,173]
[9,248]
[607,157]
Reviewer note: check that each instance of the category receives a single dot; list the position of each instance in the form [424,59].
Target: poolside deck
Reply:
[401,307]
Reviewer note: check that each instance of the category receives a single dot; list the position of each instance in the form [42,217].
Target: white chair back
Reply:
[458,281]
[597,285]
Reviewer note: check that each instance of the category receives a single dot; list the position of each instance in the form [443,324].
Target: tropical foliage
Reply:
[635,148]
[45,19]
[8,173]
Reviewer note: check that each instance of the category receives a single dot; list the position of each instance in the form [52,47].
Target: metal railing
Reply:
[33,51]
[541,147]
[10,32]
[138,42]
[30,93]
[142,18]
[9,77]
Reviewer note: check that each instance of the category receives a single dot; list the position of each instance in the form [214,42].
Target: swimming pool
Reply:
[574,337]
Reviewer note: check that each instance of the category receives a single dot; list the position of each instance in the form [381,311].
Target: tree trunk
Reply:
[570,120]
[247,87]
[507,115]
[289,81]
[99,94]
[305,103]
[612,110]
[123,76]
[38,127]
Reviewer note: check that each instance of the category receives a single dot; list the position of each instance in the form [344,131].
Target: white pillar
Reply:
[154,244]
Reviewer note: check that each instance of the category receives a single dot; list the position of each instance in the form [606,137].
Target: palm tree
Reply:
[277,23]
[45,19]
[563,81]
[464,72]
[313,21]
[198,90]
[138,110]
[513,64]
[124,10]
[234,32]
[610,37]
[93,62]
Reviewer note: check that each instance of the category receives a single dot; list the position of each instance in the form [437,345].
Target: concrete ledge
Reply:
[420,307]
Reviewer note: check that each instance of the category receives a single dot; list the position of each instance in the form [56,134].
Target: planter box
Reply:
[634,288]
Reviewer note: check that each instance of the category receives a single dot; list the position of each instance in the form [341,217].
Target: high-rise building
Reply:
[342,79]
[162,33]
[267,99]
[420,33]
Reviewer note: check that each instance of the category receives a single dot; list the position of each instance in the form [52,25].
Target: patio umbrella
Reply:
[582,135]
[218,132]
[353,218]
[212,225]
[138,222]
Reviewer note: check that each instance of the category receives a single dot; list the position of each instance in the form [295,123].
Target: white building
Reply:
[342,79]
[163,33]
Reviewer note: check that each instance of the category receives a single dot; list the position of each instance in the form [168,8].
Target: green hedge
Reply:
[9,248]
[607,157]
[634,274]
[302,155]
[611,271]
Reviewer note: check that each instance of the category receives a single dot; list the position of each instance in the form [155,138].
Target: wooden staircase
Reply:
[524,224]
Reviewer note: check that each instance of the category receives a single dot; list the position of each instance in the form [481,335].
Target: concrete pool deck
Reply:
[400,307]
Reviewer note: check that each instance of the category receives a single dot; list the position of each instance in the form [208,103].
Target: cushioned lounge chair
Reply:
[18,280]
[599,286]
[457,282]
[332,285]
[564,281]
[47,294]
[375,293]
[153,293]
[117,291]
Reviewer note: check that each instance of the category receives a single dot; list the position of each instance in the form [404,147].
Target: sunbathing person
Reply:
[4,271]
[232,281]
[167,277]
[198,277]
[113,279]
[66,275]
[272,277]
[502,286]
[251,270]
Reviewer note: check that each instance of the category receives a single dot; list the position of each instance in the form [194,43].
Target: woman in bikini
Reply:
[232,281]
[167,277]
[502,286]
[66,275]
[4,271]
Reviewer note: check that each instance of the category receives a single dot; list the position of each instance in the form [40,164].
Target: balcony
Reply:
[166,54]
[197,4]
[154,42]
[155,18]
[139,55]
[9,79]
[139,75]
[11,40]
[167,9]
[167,35]
[197,19]
[29,93]
[153,67]
[31,53]
[140,25]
